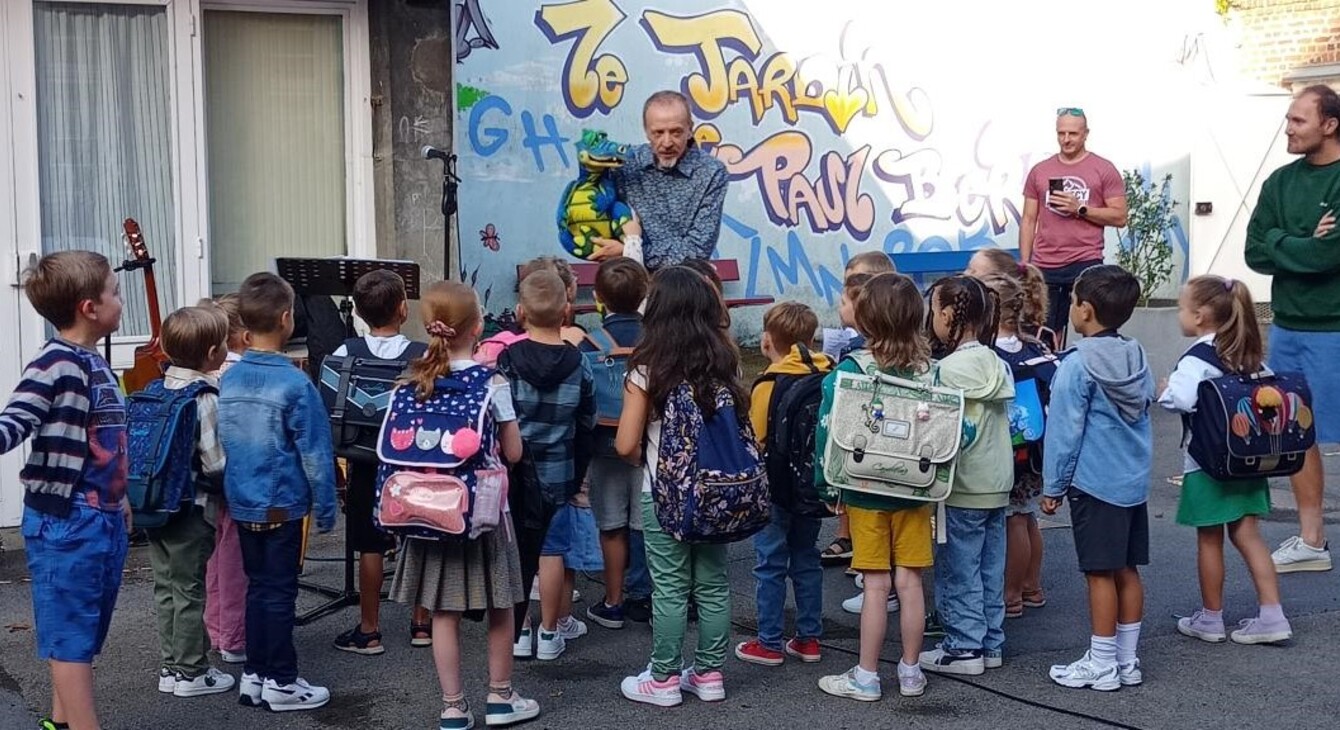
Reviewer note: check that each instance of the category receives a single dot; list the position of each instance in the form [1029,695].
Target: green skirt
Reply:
[1207,502]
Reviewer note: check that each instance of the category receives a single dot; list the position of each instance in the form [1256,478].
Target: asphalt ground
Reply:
[1188,684]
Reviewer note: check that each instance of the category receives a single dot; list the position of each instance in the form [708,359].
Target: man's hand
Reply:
[1325,225]
[126,513]
[607,248]
[1050,505]
[1063,203]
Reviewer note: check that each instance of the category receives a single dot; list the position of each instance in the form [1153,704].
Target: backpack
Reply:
[609,369]
[162,432]
[710,484]
[356,388]
[892,436]
[1033,368]
[1249,426]
[488,351]
[440,475]
[788,451]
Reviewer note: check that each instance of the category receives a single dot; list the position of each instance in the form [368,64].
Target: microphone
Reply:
[432,153]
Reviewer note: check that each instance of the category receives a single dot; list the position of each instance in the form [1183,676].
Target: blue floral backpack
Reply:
[440,475]
[711,484]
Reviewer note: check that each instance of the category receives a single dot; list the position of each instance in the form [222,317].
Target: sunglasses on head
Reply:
[1073,111]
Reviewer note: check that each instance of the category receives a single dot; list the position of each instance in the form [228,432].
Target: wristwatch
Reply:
[1083,211]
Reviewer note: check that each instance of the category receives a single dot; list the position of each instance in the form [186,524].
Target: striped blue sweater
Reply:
[52,404]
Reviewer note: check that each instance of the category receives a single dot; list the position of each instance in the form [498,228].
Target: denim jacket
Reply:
[1098,432]
[276,433]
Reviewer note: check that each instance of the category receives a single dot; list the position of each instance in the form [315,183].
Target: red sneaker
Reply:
[755,653]
[806,650]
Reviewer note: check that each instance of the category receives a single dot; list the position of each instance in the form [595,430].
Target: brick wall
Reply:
[1279,36]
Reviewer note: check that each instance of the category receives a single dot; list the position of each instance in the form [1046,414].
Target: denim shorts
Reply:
[572,534]
[75,563]
[1314,354]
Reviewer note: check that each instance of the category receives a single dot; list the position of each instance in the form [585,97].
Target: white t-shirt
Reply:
[638,379]
[500,392]
[386,348]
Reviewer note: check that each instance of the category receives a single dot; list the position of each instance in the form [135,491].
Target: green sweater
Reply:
[1305,292]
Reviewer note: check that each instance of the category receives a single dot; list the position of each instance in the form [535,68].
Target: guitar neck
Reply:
[151,294]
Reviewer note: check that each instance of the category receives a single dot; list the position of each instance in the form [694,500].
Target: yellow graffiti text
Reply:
[591,82]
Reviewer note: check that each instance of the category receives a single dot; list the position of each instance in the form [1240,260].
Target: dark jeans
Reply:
[529,543]
[1060,283]
[637,581]
[270,558]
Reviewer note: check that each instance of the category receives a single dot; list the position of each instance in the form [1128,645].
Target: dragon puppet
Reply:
[590,208]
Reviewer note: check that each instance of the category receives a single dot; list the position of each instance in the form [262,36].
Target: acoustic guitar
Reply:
[150,359]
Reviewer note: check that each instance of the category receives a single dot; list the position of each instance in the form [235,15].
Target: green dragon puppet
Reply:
[590,207]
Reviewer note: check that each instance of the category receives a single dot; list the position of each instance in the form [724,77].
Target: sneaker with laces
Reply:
[1260,631]
[647,689]
[249,690]
[550,646]
[945,661]
[509,711]
[857,602]
[233,657]
[911,680]
[1200,626]
[456,719]
[212,682]
[1296,556]
[524,648]
[707,686]
[1086,672]
[298,695]
[993,658]
[846,685]
[570,628]
[611,617]
[637,609]
[167,680]
[806,650]
[754,652]
[1130,675]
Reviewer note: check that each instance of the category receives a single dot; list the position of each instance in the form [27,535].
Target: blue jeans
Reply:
[637,583]
[970,580]
[786,547]
[270,558]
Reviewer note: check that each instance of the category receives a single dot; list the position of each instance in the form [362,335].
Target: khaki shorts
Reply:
[881,540]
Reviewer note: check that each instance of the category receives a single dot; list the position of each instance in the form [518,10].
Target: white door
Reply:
[12,355]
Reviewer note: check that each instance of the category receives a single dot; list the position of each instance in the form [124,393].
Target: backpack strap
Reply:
[414,351]
[601,340]
[357,347]
[1205,351]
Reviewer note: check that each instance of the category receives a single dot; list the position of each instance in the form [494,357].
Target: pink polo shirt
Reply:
[1063,239]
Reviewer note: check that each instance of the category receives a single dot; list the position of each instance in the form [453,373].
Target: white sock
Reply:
[865,677]
[1128,636]
[1103,649]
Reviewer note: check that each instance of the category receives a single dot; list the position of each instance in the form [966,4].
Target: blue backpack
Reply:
[609,369]
[711,485]
[162,431]
[440,475]
[1033,368]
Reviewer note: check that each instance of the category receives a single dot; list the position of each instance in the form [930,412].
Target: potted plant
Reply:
[1144,249]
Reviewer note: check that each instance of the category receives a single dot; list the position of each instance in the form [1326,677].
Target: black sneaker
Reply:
[934,628]
[637,609]
[357,642]
[611,617]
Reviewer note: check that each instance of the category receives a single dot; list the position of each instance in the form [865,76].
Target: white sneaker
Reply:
[211,682]
[857,602]
[571,628]
[249,690]
[511,711]
[289,697]
[524,648]
[1296,556]
[1129,674]
[167,680]
[644,688]
[233,657]
[550,646]
[1087,673]
[707,686]
[846,685]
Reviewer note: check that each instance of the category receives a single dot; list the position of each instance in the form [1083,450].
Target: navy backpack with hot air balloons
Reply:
[1249,426]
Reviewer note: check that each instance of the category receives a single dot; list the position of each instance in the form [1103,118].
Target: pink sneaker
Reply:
[645,688]
[708,686]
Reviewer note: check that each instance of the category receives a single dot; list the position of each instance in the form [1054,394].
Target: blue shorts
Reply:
[1314,354]
[75,563]
[572,534]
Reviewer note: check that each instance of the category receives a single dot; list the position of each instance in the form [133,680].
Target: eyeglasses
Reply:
[1073,111]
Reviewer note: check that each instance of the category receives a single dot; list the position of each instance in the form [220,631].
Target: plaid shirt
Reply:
[557,426]
[210,449]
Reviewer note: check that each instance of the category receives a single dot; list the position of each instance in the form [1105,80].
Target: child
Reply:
[572,334]
[195,341]
[1098,452]
[1023,537]
[379,300]
[555,404]
[450,577]
[225,579]
[970,570]
[709,272]
[787,546]
[682,340]
[616,485]
[1219,313]
[75,520]
[1033,314]
[886,532]
[281,465]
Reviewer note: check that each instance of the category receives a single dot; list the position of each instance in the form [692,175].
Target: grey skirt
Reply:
[460,575]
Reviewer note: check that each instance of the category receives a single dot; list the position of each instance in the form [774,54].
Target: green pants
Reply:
[679,570]
[178,553]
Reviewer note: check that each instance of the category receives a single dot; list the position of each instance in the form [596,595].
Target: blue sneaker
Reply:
[611,617]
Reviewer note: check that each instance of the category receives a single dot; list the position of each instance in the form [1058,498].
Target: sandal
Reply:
[1014,609]
[837,551]
[357,642]
[420,635]
[1035,599]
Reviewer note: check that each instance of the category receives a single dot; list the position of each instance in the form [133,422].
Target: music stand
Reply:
[336,277]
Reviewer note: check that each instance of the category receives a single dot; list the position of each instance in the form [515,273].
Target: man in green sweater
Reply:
[1293,238]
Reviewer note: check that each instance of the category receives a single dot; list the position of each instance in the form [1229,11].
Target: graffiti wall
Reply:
[845,126]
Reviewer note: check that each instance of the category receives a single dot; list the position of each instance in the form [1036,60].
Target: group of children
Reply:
[265,434]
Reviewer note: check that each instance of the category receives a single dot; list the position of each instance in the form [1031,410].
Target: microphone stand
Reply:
[450,183]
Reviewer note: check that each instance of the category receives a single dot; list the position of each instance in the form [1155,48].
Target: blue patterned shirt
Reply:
[680,206]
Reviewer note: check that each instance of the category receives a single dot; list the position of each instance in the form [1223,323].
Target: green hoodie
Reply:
[984,473]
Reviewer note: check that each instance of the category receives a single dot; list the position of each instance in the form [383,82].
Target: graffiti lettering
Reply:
[468,15]
[487,141]
[786,268]
[591,83]
[535,142]
[496,136]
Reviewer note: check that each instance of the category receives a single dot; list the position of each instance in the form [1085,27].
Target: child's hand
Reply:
[1163,385]
[1050,505]
[836,508]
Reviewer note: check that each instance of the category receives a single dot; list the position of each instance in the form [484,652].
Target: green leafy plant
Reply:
[1143,248]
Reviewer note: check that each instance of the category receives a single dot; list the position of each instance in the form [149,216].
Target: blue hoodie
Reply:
[1098,433]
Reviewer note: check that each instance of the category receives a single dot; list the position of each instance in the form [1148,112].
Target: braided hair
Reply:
[975,309]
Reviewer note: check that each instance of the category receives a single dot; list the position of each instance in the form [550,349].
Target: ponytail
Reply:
[1237,337]
[451,314]
[1035,296]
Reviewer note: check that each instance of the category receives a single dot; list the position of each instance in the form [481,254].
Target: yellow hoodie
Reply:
[793,364]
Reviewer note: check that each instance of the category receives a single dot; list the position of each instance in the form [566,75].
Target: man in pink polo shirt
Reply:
[1081,194]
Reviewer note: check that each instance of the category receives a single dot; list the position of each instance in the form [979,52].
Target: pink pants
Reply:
[226,588]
